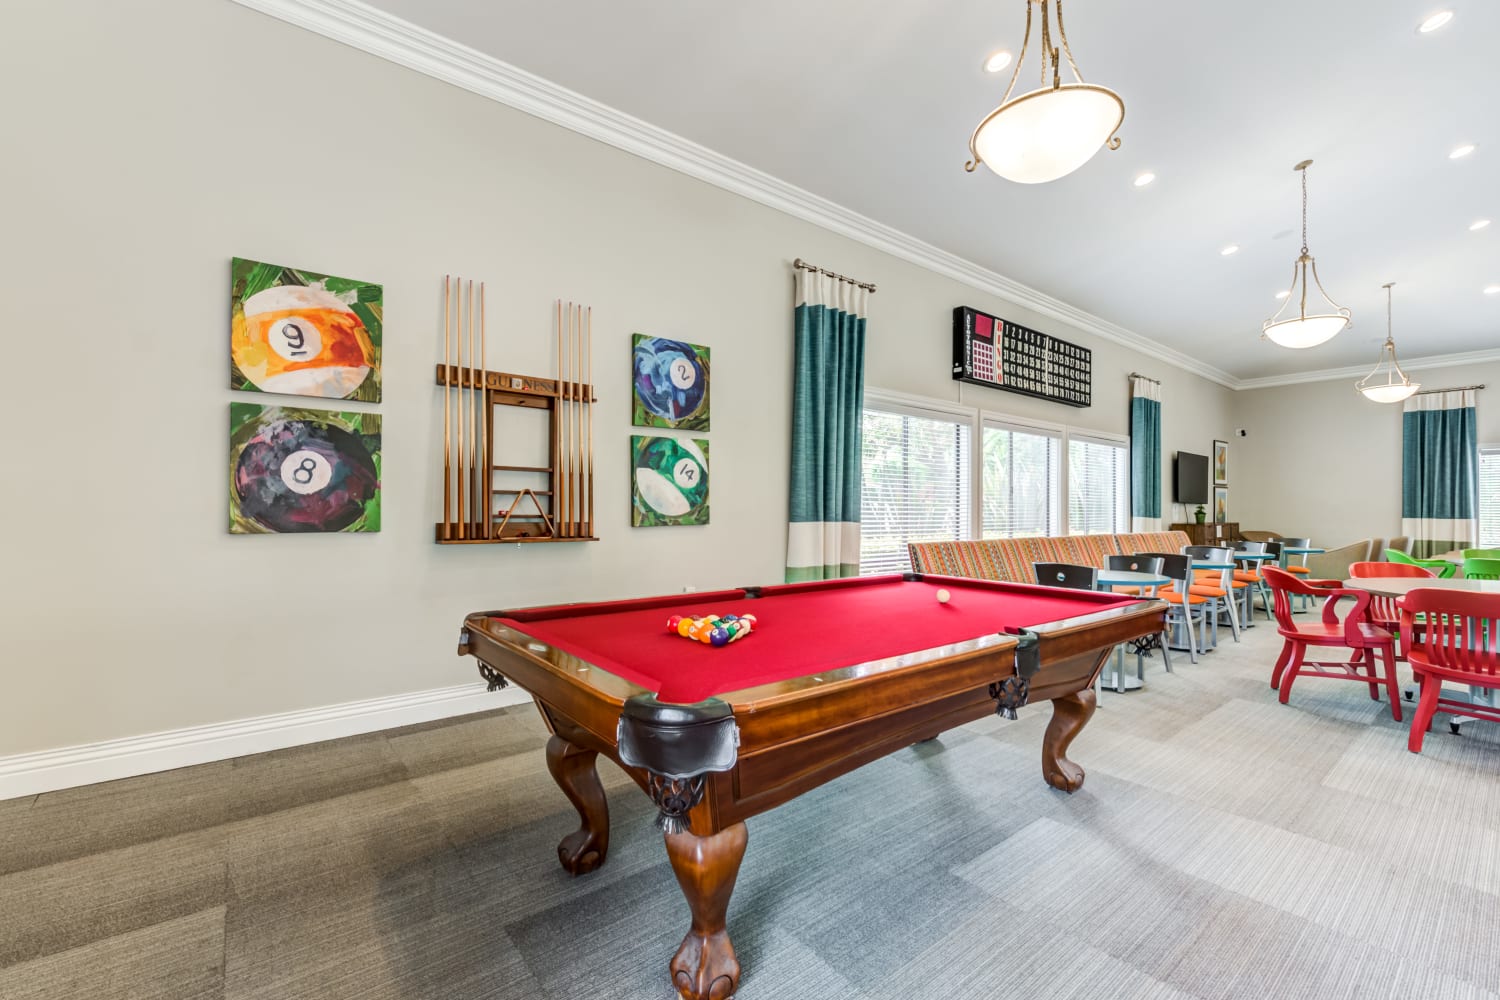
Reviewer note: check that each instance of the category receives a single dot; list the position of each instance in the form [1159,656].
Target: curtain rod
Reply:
[804,265]
[1456,388]
[1148,378]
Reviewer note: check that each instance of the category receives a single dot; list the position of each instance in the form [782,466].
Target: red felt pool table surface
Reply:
[801,629]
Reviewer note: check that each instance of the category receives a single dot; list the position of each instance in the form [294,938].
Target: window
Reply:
[1098,486]
[925,478]
[1489,497]
[915,483]
[1020,481]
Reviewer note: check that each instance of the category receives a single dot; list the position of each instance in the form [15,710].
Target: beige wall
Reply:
[146,144]
[1322,461]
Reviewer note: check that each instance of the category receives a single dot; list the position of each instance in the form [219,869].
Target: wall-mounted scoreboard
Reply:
[997,353]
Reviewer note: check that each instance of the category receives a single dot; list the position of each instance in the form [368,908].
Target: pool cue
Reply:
[447,417]
[572,422]
[474,516]
[462,483]
[566,333]
[578,419]
[559,482]
[589,381]
[486,450]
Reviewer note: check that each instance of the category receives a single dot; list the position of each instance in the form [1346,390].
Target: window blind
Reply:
[915,486]
[1098,487]
[1489,498]
[1021,473]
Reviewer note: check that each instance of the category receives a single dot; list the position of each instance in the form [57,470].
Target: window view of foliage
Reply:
[915,487]
[1096,485]
[1020,484]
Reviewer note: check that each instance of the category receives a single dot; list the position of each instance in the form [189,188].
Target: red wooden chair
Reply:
[1355,632]
[1457,639]
[1383,610]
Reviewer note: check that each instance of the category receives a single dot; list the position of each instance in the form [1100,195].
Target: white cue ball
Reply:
[942,596]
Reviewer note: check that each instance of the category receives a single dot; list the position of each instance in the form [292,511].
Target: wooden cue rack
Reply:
[475,511]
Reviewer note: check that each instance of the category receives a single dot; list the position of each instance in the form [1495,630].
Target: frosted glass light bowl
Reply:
[1048,133]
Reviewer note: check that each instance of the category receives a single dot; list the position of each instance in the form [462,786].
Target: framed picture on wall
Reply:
[1221,504]
[1221,463]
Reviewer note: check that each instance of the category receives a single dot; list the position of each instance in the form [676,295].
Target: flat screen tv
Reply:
[1190,478]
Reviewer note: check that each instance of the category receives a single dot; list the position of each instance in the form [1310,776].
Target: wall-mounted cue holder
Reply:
[999,354]
[559,505]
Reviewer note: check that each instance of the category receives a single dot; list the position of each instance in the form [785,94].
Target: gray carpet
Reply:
[1223,846]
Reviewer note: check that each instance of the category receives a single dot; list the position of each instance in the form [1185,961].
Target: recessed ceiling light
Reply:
[1143,179]
[1461,152]
[1229,251]
[997,61]
[1282,294]
[1478,224]
[1436,21]
[1492,290]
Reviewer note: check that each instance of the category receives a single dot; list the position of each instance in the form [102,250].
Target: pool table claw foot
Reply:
[1070,714]
[573,769]
[705,968]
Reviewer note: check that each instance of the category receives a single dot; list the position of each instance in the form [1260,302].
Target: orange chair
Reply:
[1383,610]
[1457,641]
[1355,632]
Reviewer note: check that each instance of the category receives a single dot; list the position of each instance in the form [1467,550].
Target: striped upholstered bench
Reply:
[1011,558]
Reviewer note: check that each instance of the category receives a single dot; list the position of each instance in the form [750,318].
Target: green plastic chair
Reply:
[1482,553]
[1442,567]
[1482,569]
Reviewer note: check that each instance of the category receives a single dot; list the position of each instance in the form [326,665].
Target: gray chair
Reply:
[1180,609]
[1225,583]
[1141,646]
[1066,575]
[1134,564]
[1258,585]
[1286,564]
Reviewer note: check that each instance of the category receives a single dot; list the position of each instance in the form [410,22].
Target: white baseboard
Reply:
[67,767]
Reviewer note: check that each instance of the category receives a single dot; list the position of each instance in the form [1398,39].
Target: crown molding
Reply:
[381,34]
[1359,371]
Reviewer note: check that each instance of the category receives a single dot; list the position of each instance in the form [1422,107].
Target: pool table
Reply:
[834,675]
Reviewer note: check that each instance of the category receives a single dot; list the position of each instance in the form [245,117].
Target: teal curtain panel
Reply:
[1440,472]
[827,398]
[1145,454]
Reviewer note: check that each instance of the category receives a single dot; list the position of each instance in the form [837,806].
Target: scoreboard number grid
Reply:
[997,353]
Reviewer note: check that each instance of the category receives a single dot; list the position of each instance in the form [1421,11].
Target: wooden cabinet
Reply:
[1210,533]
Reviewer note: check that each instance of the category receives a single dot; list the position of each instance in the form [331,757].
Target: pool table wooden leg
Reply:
[1070,714]
[572,767]
[705,968]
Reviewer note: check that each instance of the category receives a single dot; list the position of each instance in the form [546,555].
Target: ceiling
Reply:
[872,107]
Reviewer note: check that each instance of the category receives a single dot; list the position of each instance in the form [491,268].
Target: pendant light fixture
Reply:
[1387,383]
[1303,330]
[1052,131]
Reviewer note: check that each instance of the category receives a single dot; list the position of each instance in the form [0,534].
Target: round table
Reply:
[1400,586]
[1129,578]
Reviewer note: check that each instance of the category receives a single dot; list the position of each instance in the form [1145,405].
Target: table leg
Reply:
[572,768]
[705,968]
[1070,714]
